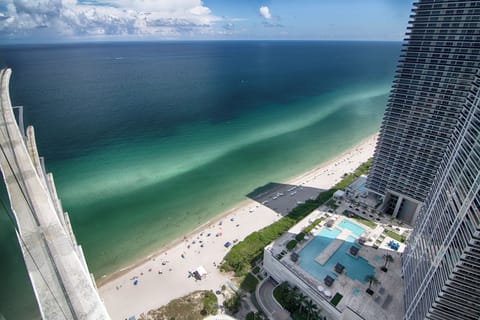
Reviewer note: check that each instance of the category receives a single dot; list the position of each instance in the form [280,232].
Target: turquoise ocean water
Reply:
[147,141]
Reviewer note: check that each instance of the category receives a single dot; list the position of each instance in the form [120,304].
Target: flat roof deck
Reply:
[387,300]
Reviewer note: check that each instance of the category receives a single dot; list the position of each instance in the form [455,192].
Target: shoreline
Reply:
[105,279]
[117,290]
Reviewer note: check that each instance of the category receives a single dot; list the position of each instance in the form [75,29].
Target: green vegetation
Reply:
[388,258]
[371,279]
[362,169]
[291,244]
[249,283]
[284,295]
[256,270]
[394,235]
[295,302]
[194,306]
[232,303]
[364,221]
[312,225]
[210,303]
[336,299]
[332,204]
[299,237]
[242,256]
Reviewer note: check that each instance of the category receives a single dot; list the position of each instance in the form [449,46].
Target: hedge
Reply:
[312,225]
[394,235]
[336,299]
[300,236]
[291,244]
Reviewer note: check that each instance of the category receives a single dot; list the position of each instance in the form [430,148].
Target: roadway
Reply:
[271,307]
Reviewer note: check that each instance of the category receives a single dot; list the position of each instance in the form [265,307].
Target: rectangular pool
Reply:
[361,188]
[353,227]
[355,268]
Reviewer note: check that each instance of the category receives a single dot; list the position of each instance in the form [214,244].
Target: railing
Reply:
[58,274]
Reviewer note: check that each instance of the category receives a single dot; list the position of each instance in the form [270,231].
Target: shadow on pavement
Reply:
[282,198]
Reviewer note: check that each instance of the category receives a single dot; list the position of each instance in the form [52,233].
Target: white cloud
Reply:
[166,18]
[265,12]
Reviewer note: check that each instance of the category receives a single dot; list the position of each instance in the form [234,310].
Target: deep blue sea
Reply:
[147,141]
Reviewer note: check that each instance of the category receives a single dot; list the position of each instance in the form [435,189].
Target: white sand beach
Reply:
[165,275]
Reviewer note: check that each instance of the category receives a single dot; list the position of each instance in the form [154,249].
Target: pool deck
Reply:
[387,300]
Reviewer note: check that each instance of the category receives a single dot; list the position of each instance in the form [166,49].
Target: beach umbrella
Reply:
[135,282]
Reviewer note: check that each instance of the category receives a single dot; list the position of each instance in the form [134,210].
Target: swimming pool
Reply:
[361,188]
[353,227]
[355,268]
[320,241]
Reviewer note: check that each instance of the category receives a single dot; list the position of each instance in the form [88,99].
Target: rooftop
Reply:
[387,300]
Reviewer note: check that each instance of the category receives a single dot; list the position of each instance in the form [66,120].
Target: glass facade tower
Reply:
[440,58]
[441,264]
[427,160]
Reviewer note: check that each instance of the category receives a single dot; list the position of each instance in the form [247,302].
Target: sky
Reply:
[39,21]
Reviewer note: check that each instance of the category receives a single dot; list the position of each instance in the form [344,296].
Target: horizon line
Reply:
[46,43]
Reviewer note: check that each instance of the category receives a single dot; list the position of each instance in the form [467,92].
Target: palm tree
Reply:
[289,293]
[371,280]
[311,307]
[290,299]
[301,298]
[388,258]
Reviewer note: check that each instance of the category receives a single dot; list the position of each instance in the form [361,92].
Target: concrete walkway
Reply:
[332,247]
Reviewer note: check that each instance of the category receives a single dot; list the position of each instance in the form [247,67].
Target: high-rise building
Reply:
[440,58]
[441,264]
[427,161]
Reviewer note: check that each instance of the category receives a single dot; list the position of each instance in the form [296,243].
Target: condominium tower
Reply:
[427,161]
[439,60]
[441,264]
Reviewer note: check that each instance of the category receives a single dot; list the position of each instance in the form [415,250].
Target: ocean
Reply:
[147,141]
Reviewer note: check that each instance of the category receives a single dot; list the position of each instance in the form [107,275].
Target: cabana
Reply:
[353,250]
[361,240]
[329,223]
[339,268]
[294,257]
[328,281]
